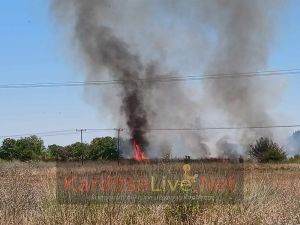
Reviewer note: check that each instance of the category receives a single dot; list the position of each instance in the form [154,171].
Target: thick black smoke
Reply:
[102,48]
[132,40]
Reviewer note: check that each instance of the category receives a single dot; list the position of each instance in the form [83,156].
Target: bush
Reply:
[266,150]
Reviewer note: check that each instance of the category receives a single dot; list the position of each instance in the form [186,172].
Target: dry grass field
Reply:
[28,196]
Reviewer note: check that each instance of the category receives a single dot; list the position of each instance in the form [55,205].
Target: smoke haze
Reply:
[137,39]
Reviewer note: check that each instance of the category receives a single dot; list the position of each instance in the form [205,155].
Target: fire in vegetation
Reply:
[138,153]
[130,43]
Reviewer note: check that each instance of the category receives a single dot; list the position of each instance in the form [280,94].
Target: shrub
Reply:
[266,150]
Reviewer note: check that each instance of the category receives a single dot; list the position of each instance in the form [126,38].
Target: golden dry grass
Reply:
[272,196]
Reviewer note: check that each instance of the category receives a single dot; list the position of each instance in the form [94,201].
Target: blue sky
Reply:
[33,51]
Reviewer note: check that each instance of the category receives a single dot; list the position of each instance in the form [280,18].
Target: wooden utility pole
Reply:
[81,141]
[118,143]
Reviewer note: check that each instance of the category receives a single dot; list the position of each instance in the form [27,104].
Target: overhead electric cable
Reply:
[68,132]
[161,78]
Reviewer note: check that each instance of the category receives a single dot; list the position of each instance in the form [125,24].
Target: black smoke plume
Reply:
[133,40]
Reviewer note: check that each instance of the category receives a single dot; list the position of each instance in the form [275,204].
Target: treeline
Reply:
[32,148]
[105,148]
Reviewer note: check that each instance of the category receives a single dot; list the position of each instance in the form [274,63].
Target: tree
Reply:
[76,151]
[32,148]
[103,148]
[46,155]
[29,148]
[265,150]
[58,152]
[7,150]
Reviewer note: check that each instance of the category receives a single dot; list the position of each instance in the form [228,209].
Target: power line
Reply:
[225,128]
[102,129]
[53,133]
[68,132]
[161,78]
[43,134]
[207,128]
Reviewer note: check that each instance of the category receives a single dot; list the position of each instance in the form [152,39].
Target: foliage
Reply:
[58,152]
[266,150]
[46,155]
[7,150]
[32,148]
[29,148]
[103,148]
[76,151]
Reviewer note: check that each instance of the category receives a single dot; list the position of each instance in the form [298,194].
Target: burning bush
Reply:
[266,150]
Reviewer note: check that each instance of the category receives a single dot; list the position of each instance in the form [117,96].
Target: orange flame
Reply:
[138,153]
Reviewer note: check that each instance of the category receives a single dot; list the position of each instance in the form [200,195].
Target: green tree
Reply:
[76,151]
[47,155]
[8,148]
[266,150]
[29,148]
[103,148]
[58,152]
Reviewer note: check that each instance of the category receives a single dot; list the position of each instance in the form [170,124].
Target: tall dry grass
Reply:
[271,196]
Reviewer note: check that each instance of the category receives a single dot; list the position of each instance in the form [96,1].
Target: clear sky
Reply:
[33,51]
